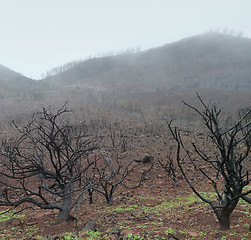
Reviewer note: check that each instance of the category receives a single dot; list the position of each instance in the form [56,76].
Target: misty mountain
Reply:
[149,83]
[211,60]
[13,84]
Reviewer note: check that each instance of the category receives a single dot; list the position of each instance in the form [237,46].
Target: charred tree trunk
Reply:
[224,220]
[223,215]
[65,212]
[109,199]
[90,192]
[232,147]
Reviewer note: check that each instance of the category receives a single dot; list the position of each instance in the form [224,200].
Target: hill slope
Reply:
[217,66]
[13,84]
[205,61]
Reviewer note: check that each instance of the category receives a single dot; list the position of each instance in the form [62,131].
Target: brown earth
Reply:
[156,210]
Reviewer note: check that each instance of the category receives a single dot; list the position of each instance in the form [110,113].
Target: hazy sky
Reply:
[37,35]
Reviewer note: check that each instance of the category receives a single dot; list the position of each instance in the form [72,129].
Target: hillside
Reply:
[210,60]
[143,84]
[13,84]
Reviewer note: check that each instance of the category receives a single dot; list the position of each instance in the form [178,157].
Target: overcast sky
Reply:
[37,35]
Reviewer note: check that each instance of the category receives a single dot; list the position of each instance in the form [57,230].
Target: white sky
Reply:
[37,35]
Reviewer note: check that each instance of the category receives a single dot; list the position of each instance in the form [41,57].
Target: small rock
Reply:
[148,204]
[116,231]
[159,176]
[147,158]
[90,225]
[108,161]
[193,234]
[110,218]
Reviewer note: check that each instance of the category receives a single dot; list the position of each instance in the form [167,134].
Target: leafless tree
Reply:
[168,165]
[112,134]
[123,142]
[44,163]
[226,169]
[110,176]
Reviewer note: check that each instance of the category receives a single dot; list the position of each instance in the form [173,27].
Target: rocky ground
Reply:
[155,210]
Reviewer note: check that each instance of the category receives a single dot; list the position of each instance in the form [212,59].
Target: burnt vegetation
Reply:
[226,165]
[113,173]
[44,162]
[117,144]
[52,164]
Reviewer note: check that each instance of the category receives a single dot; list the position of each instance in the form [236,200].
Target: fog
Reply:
[39,35]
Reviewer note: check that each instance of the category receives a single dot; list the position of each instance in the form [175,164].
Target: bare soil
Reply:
[156,210]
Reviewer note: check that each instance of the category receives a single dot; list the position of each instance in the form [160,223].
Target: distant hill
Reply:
[152,82]
[211,60]
[13,84]
[7,74]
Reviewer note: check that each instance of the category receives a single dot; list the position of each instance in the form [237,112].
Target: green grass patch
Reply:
[120,208]
[131,236]
[92,235]
[31,231]
[4,216]
[170,204]
[170,231]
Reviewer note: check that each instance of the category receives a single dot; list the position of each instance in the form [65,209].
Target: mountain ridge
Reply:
[144,84]
[208,61]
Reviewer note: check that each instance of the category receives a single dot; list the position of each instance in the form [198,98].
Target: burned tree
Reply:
[44,163]
[168,165]
[110,175]
[224,160]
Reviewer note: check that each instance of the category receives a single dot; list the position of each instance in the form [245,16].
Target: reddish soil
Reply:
[156,210]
